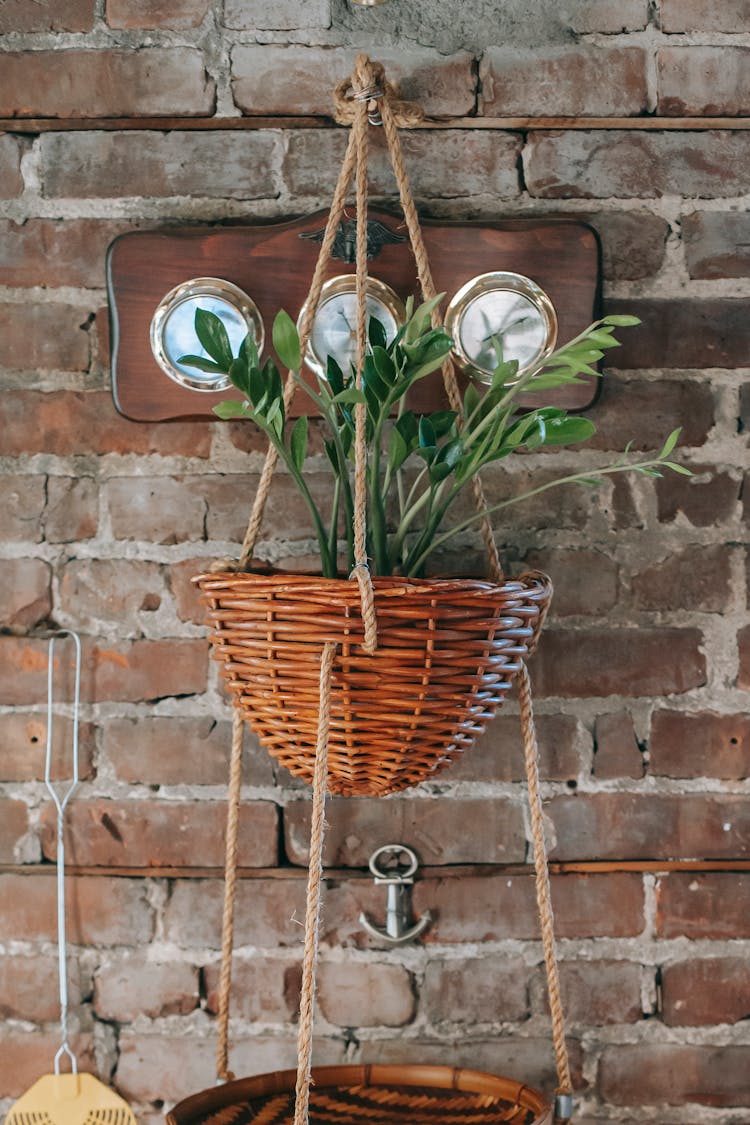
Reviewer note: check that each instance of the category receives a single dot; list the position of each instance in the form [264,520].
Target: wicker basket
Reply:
[370,1095]
[447,652]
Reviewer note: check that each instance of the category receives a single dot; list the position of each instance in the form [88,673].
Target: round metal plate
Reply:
[334,325]
[173,331]
[508,304]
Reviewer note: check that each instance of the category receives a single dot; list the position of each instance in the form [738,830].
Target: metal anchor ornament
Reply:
[398,882]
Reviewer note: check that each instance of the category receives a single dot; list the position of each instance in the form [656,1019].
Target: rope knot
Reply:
[369,84]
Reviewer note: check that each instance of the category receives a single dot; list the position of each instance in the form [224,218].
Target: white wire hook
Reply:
[61,802]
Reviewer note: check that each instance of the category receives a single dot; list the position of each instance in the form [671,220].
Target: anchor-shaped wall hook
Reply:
[399,882]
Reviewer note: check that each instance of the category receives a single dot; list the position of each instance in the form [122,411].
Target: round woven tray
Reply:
[370,1095]
[447,652]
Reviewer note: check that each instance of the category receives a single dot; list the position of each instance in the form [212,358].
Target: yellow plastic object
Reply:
[70,1099]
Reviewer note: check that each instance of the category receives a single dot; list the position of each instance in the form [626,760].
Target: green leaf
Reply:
[670,443]
[471,400]
[334,375]
[376,333]
[286,341]
[408,427]
[349,396]
[239,375]
[202,364]
[275,417]
[231,409]
[504,372]
[384,365]
[298,441]
[621,320]
[681,469]
[569,431]
[426,433]
[249,351]
[442,421]
[398,450]
[421,319]
[210,330]
[258,388]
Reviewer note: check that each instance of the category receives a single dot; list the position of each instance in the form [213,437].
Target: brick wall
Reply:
[643,677]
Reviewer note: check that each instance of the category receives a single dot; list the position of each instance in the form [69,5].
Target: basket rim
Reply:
[425,1076]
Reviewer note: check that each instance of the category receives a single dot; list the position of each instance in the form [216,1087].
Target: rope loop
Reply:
[369,83]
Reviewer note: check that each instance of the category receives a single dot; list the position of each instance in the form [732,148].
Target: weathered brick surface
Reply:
[29,988]
[633,243]
[476,990]
[358,826]
[11,180]
[161,833]
[105,83]
[151,14]
[262,989]
[72,511]
[675,1074]
[699,744]
[602,662]
[25,593]
[743,645]
[27,16]
[562,82]
[112,594]
[162,509]
[595,165]
[498,753]
[701,15]
[595,992]
[285,15]
[717,243]
[49,337]
[644,412]
[24,745]
[703,905]
[101,910]
[108,165]
[616,752]
[373,995]
[707,498]
[14,821]
[179,751]
[53,252]
[128,987]
[27,1054]
[703,80]
[712,990]
[697,577]
[296,80]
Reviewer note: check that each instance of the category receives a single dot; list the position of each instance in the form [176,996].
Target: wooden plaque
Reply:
[274,265]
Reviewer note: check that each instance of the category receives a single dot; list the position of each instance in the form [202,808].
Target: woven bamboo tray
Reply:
[370,1095]
[447,653]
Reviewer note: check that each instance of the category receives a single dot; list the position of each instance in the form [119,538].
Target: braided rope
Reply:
[543,892]
[315,876]
[230,892]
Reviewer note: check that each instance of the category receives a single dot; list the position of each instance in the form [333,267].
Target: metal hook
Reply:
[398,883]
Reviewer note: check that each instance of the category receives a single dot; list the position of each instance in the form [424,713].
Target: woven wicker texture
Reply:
[447,652]
[355,1095]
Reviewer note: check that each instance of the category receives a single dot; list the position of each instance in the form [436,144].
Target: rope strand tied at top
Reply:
[347,92]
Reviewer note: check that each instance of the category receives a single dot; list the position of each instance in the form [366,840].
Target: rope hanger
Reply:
[368,98]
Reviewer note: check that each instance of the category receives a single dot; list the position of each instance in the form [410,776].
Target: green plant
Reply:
[419,464]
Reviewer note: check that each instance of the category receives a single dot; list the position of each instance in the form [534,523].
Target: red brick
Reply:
[101,910]
[151,13]
[703,80]
[111,596]
[263,989]
[433,828]
[24,747]
[476,990]
[27,1055]
[111,165]
[498,753]
[29,988]
[14,822]
[616,752]
[609,16]
[228,500]
[106,83]
[703,905]
[702,15]
[284,15]
[644,412]
[633,243]
[696,578]
[597,165]
[49,337]
[51,252]
[675,1074]
[365,995]
[562,81]
[278,80]
[601,662]
[128,987]
[557,508]
[743,644]
[268,912]
[594,993]
[25,594]
[11,180]
[683,334]
[162,833]
[706,499]
[29,16]
[72,511]
[180,751]
[593,598]
[130,671]
[78,422]
[445,163]
[717,243]
[699,744]
[713,990]
[22,500]
[494,907]
[639,826]
[159,509]
[186,595]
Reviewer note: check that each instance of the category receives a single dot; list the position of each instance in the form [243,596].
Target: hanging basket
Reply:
[364,1095]
[447,652]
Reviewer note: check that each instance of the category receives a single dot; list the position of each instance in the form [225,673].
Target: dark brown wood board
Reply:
[274,265]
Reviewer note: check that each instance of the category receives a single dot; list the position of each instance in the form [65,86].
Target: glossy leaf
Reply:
[231,409]
[210,330]
[202,364]
[298,442]
[286,341]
